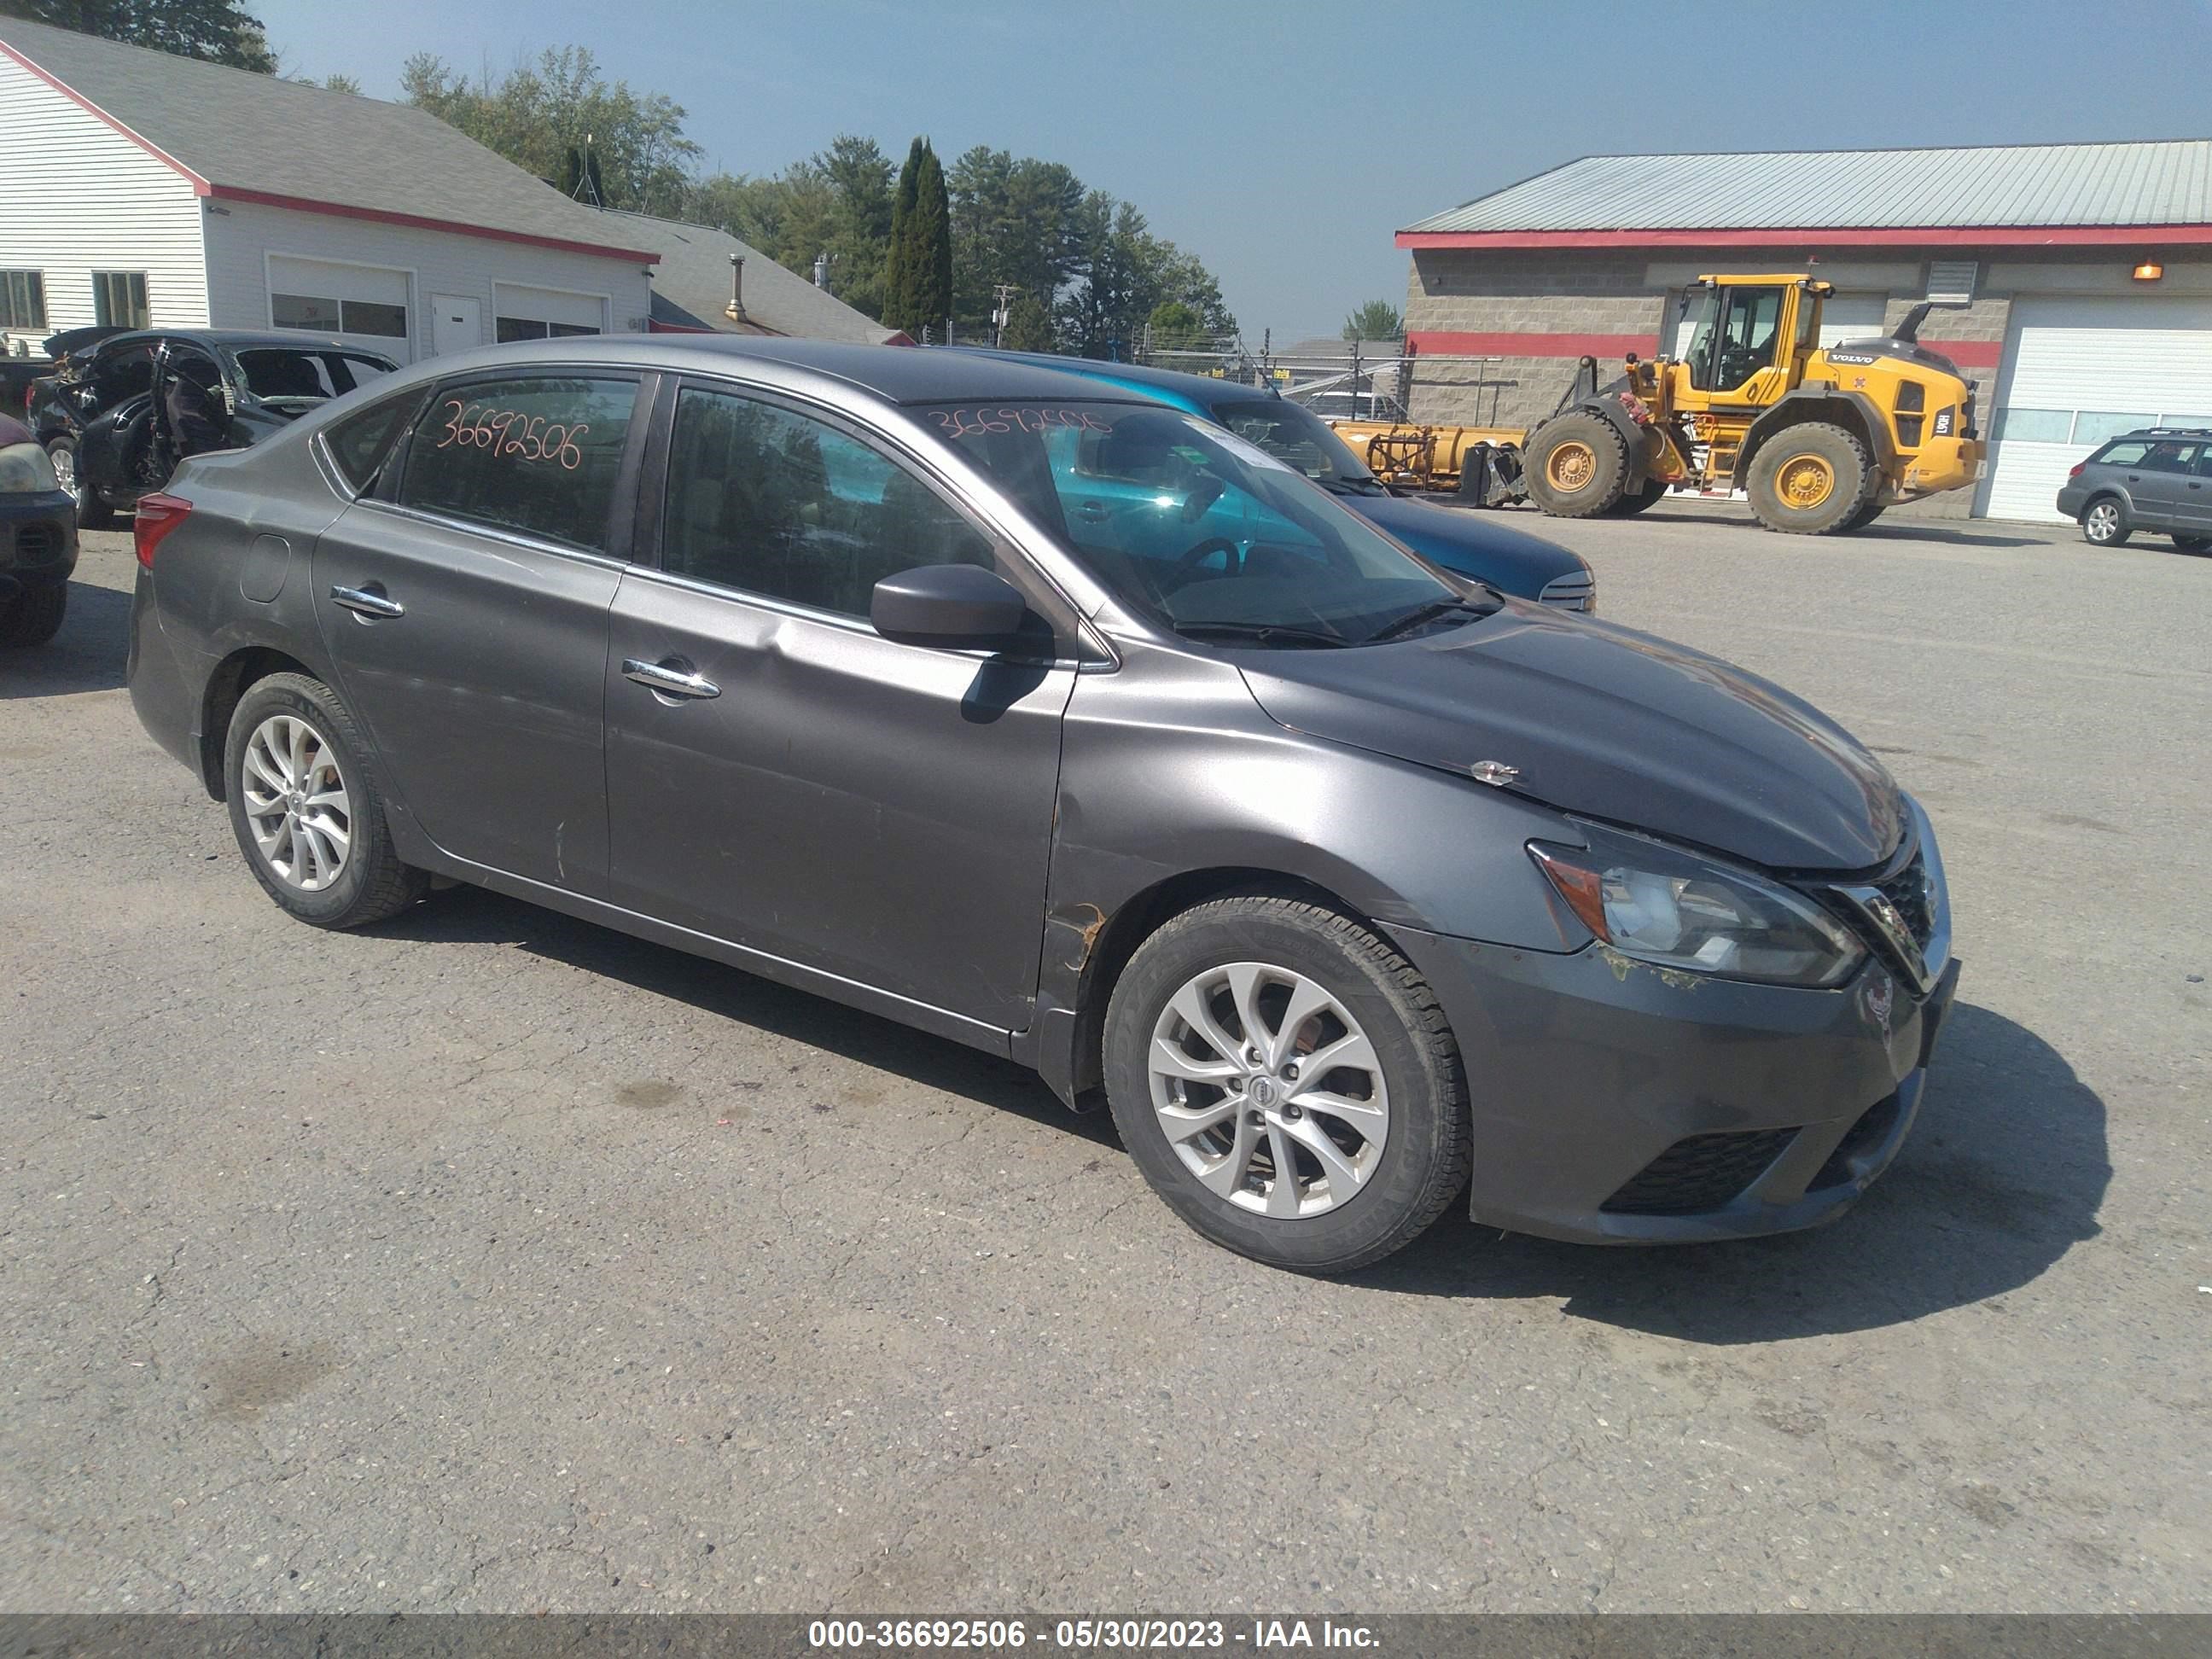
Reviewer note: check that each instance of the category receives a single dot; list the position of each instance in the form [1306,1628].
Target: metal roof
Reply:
[2166,182]
[691,288]
[261,136]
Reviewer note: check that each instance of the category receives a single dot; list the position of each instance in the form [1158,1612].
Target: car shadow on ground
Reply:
[87,655]
[2003,1173]
[473,914]
[1950,533]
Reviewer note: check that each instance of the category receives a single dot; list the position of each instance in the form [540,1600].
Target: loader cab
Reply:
[1752,335]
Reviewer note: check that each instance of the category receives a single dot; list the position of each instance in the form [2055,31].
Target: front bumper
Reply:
[37,541]
[1615,1103]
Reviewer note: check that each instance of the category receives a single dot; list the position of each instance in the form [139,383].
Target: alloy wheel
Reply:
[1268,1090]
[296,803]
[2103,522]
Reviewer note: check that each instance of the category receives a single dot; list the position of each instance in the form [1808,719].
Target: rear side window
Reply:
[359,443]
[539,455]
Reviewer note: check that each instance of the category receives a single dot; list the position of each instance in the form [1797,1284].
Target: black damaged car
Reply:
[37,540]
[117,414]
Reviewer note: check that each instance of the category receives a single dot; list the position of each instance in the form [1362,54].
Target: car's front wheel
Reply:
[1288,1083]
[307,813]
[2103,524]
[34,615]
[92,512]
[2193,543]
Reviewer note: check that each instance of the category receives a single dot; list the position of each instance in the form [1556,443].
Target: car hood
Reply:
[1601,720]
[1471,543]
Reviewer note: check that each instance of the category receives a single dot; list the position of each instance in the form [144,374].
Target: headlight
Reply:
[25,471]
[1661,904]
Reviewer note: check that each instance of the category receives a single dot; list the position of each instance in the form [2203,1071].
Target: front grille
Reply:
[35,543]
[1576,590]
[1871,1128]
[1702,1173]
[1908,890]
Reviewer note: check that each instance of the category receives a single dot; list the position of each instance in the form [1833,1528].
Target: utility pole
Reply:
[1002,311]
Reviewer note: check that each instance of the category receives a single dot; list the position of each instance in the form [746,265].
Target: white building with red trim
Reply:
[2075,281]
[138,188]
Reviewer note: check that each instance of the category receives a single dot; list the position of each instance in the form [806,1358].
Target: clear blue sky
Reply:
[1284,141]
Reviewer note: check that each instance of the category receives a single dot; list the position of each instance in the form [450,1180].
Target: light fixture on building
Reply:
[2150,271]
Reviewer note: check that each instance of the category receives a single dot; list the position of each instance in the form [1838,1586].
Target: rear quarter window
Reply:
[359,444]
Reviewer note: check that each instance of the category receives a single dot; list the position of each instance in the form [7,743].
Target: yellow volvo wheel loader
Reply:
[1822,439]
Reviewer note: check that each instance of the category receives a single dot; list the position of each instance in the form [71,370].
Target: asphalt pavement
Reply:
[487,1261]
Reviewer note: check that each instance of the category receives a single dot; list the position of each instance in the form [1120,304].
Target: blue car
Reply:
[1526,566]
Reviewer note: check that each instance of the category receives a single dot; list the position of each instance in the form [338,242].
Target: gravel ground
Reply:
[489,1261]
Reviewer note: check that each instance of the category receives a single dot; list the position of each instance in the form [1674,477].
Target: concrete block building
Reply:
[2075,281]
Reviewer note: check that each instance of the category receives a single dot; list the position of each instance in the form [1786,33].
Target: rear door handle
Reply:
[668,679]
[1093,512]
[368,602]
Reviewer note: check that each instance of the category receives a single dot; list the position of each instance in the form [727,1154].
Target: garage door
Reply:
[2078,371]
[323,296]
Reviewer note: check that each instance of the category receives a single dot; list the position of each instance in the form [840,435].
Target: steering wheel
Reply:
[1185,570]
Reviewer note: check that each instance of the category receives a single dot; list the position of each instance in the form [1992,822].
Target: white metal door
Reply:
[456,323]
[2079,371]
[1852,317]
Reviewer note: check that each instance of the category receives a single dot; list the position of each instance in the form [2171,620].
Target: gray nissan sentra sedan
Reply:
[1345,882]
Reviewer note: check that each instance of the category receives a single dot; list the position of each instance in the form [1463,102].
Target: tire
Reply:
[369,883]
[34,615]
[1575,465]
[1811,479]
[1865,516]
[2104,523]
[1633,502]
[92,512]
[1405,1108]
[2193,543]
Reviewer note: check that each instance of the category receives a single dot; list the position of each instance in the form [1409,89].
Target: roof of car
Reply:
[1200,388]
[236,339]
[896,374]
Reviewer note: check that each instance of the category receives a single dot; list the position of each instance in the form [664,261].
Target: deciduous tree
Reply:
[214,31]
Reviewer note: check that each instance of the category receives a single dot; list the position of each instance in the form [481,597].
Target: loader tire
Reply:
[1649,493]
[1811,480]
[1575,466]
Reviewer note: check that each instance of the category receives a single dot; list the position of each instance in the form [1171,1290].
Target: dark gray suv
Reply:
[2156,478]
[1344,881]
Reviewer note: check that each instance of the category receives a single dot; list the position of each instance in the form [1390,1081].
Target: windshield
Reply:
[1194,526]
[281,371]
[1294,434]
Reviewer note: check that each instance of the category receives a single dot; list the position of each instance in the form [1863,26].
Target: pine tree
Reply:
[900,296]
[932,246]
[1028,325]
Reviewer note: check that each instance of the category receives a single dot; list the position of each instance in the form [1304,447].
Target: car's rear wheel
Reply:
[92,512]
[306,810]
[2104,523]
[1287,1082]
[34,615]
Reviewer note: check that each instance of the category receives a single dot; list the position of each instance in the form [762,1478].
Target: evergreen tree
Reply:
[901,266]
[931,246]
[1028,324]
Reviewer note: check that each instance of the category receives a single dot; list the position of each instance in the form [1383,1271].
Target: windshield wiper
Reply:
[1425,613]
[1263,633]
[1352,486]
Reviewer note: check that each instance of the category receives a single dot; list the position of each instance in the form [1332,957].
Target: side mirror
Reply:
[954,607]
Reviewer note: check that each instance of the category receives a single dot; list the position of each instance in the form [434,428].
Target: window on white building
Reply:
[119,300]
[325,316]
[22,300]
[530,328]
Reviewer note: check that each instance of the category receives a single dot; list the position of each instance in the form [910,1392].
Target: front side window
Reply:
[1191,524]
[22,300]
[119,298]
[537,454]
[128,372]
[763,500]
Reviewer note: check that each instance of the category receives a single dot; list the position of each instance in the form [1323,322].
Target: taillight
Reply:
[2074,471]
[157,515]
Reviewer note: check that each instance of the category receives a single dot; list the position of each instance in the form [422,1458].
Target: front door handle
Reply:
[1091,512]
[669,679]
[368,602]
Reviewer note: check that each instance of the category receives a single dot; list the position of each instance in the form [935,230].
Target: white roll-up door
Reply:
[369,303]
[2079,371]
[522,313]
[1852,317]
